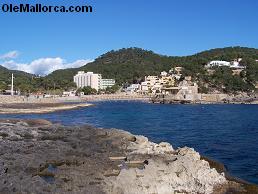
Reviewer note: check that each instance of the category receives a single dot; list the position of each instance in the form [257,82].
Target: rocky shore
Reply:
[37,156]
[242,98]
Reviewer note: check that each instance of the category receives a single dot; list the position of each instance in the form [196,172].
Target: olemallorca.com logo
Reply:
[40,8]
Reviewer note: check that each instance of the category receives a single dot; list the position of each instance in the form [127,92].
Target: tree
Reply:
[25,88]
[251,71]
[223,79]
[3,86]
[78,91]
[87,90]
[112,90]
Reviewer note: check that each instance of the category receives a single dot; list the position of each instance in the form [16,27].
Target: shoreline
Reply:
[168,101]
[39,108]
[208,103]
[79,159]
[43,108]
[111,97]
[115,97]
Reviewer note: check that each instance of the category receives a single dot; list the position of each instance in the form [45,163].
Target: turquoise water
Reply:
[227,133]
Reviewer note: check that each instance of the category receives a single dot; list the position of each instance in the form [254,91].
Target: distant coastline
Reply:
[30,105]
[231,70]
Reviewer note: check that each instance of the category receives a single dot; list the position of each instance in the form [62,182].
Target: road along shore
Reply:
[40,157]
[116,97]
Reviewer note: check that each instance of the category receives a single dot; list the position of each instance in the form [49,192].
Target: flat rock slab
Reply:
[78,156]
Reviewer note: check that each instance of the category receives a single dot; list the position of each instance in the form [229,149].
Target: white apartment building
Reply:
[233,64]
[145,86]
[151,83]
[163,73]
[133,88]
[93,80]
[107,83]
[218,63]
[151,80]
[176,72]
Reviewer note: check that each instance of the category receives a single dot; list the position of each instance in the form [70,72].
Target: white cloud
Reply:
[44,66]
[10,55]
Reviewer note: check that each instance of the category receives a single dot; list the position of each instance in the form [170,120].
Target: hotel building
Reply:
[107,83]
[93,80]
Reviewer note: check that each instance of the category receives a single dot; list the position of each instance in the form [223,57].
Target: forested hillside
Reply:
[23,80]
[132,64]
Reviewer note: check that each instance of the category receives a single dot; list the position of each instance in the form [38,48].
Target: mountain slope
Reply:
[229,53]
[132,64]
[129,65]
[21,78]
[125,65]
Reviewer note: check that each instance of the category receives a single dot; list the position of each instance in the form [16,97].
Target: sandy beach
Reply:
[24,105]
[36,108]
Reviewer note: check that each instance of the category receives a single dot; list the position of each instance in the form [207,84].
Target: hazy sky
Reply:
[41,43]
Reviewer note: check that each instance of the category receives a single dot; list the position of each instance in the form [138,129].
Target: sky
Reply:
[42,43]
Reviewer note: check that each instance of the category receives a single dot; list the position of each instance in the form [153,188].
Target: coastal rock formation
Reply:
[170,171]
[37,156]
[143,146]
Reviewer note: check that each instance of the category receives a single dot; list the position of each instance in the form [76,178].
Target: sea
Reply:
[227,133]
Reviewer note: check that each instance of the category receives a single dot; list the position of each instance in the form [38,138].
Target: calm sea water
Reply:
[227,133]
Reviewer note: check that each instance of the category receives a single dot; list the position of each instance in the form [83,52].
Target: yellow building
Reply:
[167,81]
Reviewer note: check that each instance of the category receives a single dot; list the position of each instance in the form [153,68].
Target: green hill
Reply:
[228,53]
[132,64]
[22,79]
[129,65]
